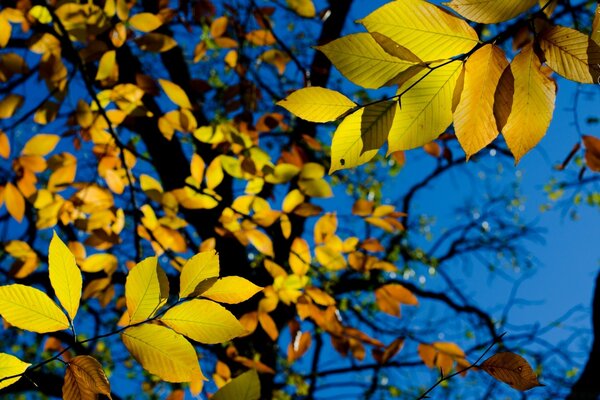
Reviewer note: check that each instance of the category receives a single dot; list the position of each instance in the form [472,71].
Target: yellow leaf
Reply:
[315,188]
[65,276]
[41,14]
[5,31]
[203,321]
[107,65]
[360,135]
[299,258]
[155,42]
[31,309]
[40,145]
[151,187]
[260,37]
[231,290]
[196,270]
[292,200]
[511,369]
[14,201]
[363,61]
[10,366]
[162,352]
[571,54]
[175,93]
[100,262]
[85,379]
[532,103]
[595,35]
[325,228]
[260,241]
[317,104]
[426,30]
[146,290]
[474,121]
[214,173]
[329,258]
[10,104]
[114,181]
[145,22]
[304,8]
[4,145]
[490,11]
[425,110]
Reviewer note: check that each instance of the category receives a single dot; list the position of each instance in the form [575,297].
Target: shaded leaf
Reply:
[511,369]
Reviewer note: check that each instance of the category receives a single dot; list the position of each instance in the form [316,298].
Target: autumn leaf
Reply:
[416,24]
[511,369]
[85,379]
[231,290]
[162,351]
[146,289]
[317,104]
[244,387]
[532,103]
[10,366]
[65,276]
[203,321]
[490,11]
[31,309]
[474,121]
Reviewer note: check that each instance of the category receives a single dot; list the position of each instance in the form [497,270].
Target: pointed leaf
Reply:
[203,321]
[490,11]
[299,258]
[9,366]
[65,276]
[571,54]
[202,266]
[162,352]
[426,109]
[317,104]
[231,290]
[85,379]
[511,369]
[145,290]
[244,387]
[175,93]
[31,309]
[360,59]
[40,145]
[360,135]
[425,29]
[15,203]
[532,106]
[474,121]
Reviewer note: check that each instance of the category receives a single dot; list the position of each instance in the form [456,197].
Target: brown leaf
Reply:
[392,349]
[85,379]
[592,152]
[511,369]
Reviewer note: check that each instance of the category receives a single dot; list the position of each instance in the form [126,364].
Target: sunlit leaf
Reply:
[146,289]
[199,268]
[162,351]
[571,54]
[317,104]
[203,321]
[10,366]
[31,309]
[145,22]
[231,290]
[65,276]
[474,121]
[490,11]
[417,24]
[532,103]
